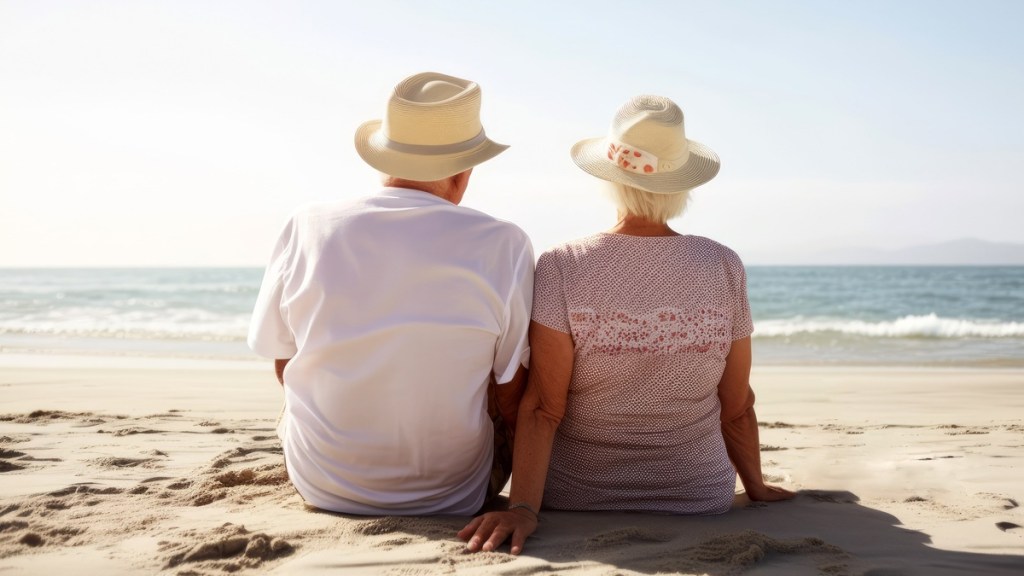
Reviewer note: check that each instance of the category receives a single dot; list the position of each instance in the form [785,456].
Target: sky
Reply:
[182,133]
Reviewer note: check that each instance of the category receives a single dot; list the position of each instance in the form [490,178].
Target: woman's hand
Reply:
[766,493]
[487,532]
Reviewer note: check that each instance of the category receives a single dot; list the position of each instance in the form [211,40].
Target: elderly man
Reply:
[395,320]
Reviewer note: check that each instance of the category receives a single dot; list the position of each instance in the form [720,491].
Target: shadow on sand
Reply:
[817,533]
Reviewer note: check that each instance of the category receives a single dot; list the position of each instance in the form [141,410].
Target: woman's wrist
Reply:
[524,506]
[755,488]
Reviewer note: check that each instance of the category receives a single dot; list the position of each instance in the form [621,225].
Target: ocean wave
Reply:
[207,326]
[172,325]
[925,326]
[204,335]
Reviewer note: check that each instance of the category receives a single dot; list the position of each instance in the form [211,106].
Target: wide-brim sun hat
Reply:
[431,130]
[647,148]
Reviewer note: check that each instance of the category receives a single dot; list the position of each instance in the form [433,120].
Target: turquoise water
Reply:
[886,315]
[176,311]
[970,316]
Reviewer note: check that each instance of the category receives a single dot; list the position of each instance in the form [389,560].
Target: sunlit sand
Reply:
[132,466]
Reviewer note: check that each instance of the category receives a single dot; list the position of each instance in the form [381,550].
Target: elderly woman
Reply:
[639,396]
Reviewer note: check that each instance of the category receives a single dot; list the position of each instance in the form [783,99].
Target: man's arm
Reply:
[279,365]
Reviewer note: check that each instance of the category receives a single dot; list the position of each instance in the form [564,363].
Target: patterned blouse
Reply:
[652,320]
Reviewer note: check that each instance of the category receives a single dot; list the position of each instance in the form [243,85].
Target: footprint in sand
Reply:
[6,466]
[831,496]
[625,537]
[5,460]
[7,455]
[1008,526]
[34,459]
[125,462]
[735,553]
[433,528]
[27,537]
[394,542]
[85,488]
[133,430]
[228,548]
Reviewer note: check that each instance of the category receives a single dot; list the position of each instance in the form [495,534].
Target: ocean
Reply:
[819,315]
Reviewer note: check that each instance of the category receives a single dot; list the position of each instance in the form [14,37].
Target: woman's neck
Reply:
[631,225]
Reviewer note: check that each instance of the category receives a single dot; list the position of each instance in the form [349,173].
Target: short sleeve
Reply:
[270,335]
[742,322]
[513,346]
[549,307]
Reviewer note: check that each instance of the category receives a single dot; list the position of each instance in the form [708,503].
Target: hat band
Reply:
[631,159]
[438,149]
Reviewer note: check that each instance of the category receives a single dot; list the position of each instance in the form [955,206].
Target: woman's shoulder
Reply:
[712,249]
[606,245]
[573,249]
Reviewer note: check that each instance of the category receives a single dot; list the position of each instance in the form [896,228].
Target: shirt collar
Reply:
[414,195]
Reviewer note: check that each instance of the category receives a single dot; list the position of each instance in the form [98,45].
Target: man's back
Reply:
[394,311]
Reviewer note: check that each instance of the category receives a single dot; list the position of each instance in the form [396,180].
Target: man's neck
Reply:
[438,189]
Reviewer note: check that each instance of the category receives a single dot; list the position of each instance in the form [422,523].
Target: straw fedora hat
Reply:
[646,148]
[431,130]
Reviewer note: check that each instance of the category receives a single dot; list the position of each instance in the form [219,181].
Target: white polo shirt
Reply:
[395,311]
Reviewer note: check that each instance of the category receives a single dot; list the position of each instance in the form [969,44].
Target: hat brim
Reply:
[372,146]
[591,156]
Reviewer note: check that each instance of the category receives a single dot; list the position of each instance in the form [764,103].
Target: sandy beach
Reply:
[142,466]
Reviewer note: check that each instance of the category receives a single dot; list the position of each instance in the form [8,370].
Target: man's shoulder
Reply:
[377,209]
[329,212]
[319,207]
[506,226]
[492,225]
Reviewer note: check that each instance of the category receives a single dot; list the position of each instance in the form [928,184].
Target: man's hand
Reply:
[487,532]
[768,493]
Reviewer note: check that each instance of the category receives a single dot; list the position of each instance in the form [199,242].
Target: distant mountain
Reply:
[966,251]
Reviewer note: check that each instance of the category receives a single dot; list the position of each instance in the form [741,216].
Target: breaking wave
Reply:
[925,326]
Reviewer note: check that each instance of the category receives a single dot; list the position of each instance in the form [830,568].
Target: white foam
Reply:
[926,326]
[181,323]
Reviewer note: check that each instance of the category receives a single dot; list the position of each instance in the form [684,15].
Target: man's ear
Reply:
[463,179]
[458,184]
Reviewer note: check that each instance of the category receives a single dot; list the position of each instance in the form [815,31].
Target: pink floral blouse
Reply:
[652,320]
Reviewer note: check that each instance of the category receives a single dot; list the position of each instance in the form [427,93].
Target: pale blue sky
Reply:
[183,133]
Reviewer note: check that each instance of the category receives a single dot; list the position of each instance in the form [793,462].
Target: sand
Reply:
[143,466]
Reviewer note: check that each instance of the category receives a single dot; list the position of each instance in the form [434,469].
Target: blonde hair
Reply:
[654,207]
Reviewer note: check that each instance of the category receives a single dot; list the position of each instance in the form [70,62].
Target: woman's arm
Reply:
[739,424]
[551,360]
[508,397]
[279,366]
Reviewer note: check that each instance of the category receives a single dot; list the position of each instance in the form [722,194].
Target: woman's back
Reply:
[652,320]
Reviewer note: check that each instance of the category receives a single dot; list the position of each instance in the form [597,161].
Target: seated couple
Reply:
[403,324]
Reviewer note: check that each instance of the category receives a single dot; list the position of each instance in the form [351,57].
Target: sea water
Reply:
[200,312]
[914,316]
[888,315]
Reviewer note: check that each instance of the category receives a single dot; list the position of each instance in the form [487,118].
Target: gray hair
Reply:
[654,207]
